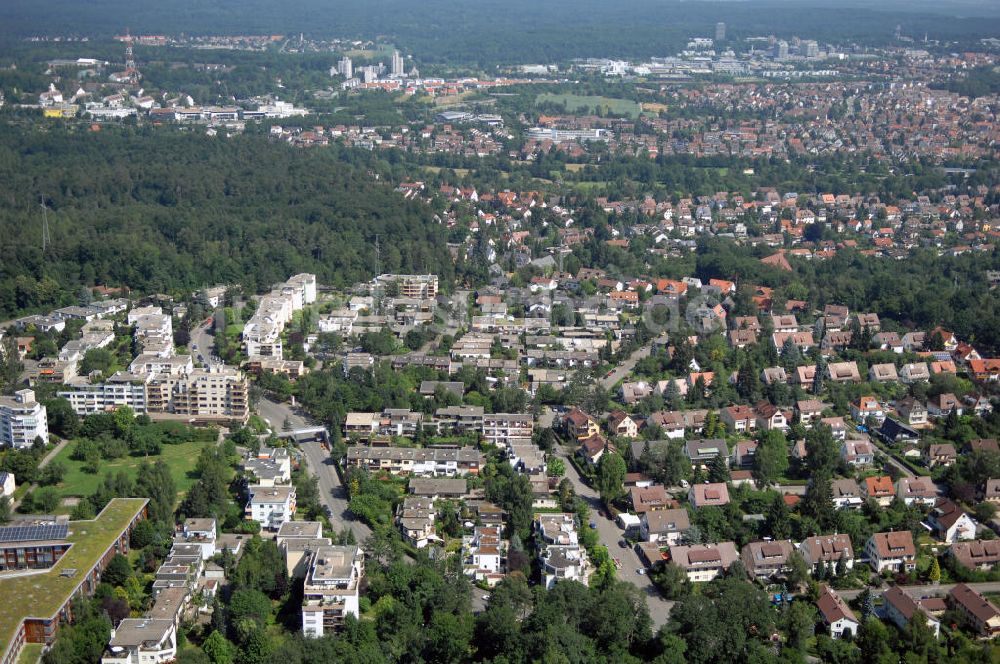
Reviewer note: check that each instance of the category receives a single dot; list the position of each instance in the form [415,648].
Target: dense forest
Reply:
[488,33]
[162,210]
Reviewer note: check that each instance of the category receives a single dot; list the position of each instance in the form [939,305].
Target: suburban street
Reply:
[332,492]
[926,591]
[610,534]
[624,369]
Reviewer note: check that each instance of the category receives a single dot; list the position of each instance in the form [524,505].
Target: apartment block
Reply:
[22,420]
[331,589]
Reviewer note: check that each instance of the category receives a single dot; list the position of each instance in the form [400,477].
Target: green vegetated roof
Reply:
[41,595]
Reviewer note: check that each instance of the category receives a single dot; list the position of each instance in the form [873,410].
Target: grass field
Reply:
[590,103]
[180,458]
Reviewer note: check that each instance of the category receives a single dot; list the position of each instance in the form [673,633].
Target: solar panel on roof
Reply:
[33,533]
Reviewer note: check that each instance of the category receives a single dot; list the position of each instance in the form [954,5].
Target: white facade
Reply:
[142,641]
[330,592]
[22,420]
[270,506]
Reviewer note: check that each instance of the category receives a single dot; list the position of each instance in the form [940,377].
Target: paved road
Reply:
[332,492]
[203,343]
[891,460]
[624,369]
[926,591]
[610,533]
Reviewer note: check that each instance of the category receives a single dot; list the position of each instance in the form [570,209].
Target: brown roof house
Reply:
[708,495]
[981,613]
[892,551]
[704,562]
[950,522]
[836,615]
[824,550]
[764,560]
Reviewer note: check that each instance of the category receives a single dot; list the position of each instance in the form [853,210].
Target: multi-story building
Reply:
[270,506]
[448,461]
[484,554]
[415,518]
[22,420]
[331,589]
[420,286]
[459,418]
[504,429]
[837,616]
[900,608]
[32,544]
[262,333]
[561,555]
[121,389]
[824,550]
[142,641]
[202,395]
[44,599]
[892,551]
[704,562]
[981,613]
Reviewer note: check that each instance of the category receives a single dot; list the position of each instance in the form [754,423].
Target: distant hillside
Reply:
[486,32]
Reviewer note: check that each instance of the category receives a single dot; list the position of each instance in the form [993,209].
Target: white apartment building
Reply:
[331,589]
[262,333]
[484,554]
[270,506]
[121,389]
[142,641]
[418,286]
[504,429]
[22,419]
[561,556]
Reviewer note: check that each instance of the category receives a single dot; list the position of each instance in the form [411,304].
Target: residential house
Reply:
[704,562]
[664,526]
[991,492]
[915,372]
[950,522]
[846,494]
[843,372]
[650,499]
[825,550]
[708,495]
[701,452]
[893,551]
[763,560]
[941,454]
[744,453]
[415,517]
[739,419]
[809,411]
[882,373]
[580,425]
[837,427]
[857,452]
[899,607]
[593,448]
[484,555]
[621,424]
[836,615]
[981,614]
[879,489]
[916,490]
[911,412]
[865,407]
[896,433]
[769,417]
[942,405]
[774,375]
[977,554]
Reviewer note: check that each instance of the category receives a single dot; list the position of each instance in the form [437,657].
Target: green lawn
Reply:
[180,458]
[590,103]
